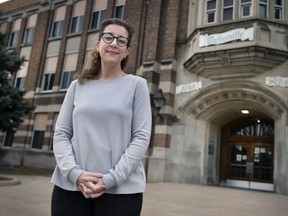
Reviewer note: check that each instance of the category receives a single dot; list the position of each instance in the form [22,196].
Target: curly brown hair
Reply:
[93,66]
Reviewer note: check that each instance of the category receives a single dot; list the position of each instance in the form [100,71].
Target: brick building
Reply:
[213,59]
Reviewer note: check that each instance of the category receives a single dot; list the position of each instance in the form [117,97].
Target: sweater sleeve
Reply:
[141,131]
[63,134]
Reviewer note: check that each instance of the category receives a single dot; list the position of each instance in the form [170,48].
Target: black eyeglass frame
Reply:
[117,39]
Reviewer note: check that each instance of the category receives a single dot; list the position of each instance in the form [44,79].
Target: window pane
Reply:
[210,17]
[48,82]
[228,3]
[28,36]
[246,10]
[79,24]
[278,14]
[20,83]
[67,78]
[119,10]
[245,1]
[94,21]
[102,17]
[38,139]
[228,14]
[13,39]
[263,11]
[74,25]
[211,5]
[57,28]
[60,28]
[9,136]
[278,2]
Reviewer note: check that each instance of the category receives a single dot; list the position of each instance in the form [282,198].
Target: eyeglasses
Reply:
[109,38]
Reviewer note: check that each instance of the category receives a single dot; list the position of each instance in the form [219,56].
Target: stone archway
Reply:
[220,104]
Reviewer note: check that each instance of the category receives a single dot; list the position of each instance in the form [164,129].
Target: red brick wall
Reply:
[15,4]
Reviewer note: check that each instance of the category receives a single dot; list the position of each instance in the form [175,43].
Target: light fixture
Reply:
[158,102]
[245,111]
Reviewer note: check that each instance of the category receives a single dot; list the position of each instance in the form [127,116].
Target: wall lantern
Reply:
[158,103]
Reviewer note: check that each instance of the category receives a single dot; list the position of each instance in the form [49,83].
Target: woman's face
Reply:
[113,50]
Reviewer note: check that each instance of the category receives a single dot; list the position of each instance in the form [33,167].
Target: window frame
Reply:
[38,139]
[227,8]
[57,29]
[281,9]
[13,39]
[8,138]
[47,80]
[210,11]
[64,86]
[20,83]
[244,4]
[76,25]
[122,6]
[100,17]
[28,36]
[266,5]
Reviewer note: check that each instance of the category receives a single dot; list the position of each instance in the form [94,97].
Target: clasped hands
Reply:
[91,184]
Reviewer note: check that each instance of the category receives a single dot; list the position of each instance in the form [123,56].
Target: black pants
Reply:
[73,203]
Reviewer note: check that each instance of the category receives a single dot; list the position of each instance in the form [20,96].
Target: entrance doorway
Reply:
[247,154]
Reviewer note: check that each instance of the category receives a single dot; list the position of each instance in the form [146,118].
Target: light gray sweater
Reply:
[104,126]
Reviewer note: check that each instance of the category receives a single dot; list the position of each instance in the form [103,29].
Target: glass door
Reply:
[237,164]
[250,165]
[262,163]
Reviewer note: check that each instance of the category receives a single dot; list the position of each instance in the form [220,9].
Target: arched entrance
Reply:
[247,154]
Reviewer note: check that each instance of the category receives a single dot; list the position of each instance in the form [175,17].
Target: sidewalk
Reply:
[32,198]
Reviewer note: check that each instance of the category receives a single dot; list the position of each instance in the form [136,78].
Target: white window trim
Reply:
[22,83]
[43,82]
[122,15]
[243,4]
[267,8]
[98,20]
[281,8]
[58,28]
[68,71]
[209,11]
[227,7]
[77,29]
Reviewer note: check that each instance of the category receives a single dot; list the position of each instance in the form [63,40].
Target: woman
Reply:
[102,133]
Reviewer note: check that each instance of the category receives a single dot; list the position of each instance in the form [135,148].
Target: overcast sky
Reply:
[1,1]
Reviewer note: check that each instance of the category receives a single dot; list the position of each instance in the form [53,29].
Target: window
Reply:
[13,39]
[76,24]
[29,36]
[210,11]
[20,83]
[47,82]
[38,139]
[58,22]
[67,78]
[97,18]
[40,123]
[227,10]
[57,28]
[30,29]
[119,12]
[278,10]
[263,8]
[8,139]
[255,129]
[245,8]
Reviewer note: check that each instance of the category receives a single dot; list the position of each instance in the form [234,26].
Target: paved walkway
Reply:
[32,198]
